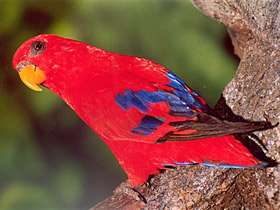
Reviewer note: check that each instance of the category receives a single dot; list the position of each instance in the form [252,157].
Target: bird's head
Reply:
[49,59]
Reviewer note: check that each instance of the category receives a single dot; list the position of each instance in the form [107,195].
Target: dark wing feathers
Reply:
[207,126]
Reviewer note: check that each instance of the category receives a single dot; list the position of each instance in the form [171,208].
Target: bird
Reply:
[149,118]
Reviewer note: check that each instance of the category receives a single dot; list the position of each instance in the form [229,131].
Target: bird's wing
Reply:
[186,118]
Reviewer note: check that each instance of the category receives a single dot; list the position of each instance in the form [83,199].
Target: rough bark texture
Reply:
[253,93]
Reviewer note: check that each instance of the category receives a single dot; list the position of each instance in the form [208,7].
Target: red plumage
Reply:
[146,115]
[139,160]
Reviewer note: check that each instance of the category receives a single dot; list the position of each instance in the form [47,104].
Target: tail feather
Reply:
[207,126]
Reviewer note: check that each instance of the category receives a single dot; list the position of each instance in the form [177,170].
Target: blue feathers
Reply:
[148,125]
[178,107]
[207,164]
[181,100]
[140,100]
[190,98]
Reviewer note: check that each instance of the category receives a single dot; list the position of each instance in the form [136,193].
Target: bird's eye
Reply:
[38,47]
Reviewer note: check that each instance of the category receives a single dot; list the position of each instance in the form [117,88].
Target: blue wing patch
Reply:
[180,90]
[181,101]
[140,100]
[148,125]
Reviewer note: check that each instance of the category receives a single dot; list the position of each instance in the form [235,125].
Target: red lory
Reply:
[147,116]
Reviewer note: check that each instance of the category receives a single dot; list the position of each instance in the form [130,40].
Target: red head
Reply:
[48,59]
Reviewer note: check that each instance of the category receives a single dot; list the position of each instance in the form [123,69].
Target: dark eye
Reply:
[38,47]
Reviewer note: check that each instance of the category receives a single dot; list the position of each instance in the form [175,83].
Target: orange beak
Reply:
[32,76]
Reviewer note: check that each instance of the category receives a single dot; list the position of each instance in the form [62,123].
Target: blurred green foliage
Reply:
[49,159]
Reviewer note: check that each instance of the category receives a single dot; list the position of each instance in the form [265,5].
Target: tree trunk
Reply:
[254,94]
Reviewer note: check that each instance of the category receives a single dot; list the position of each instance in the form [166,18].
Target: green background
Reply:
[49,159]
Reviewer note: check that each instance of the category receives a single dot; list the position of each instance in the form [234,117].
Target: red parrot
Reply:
[147,116]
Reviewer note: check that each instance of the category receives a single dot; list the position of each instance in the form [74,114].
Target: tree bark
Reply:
[254,94]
